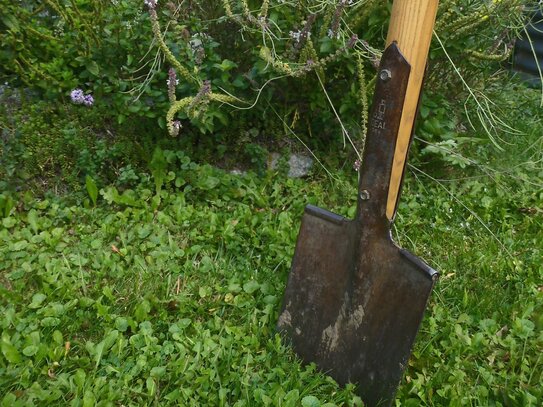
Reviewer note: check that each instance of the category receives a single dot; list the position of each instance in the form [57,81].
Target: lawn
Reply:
[168,293]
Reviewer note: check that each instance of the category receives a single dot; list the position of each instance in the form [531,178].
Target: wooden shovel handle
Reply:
[411,27]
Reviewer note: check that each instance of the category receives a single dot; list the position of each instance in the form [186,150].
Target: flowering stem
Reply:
[167,53]
[363,96]
[186,103]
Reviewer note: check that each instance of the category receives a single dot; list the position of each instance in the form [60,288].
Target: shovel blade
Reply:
[354,303]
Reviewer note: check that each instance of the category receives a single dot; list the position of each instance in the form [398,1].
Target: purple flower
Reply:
[77,96]
[352,41]
[88,100]
[202,94]
[333,31]
[172,82]
[295,35]
[172,78]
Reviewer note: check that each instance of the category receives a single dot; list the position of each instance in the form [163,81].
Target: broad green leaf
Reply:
[142,310]
[37,300]
[151,386]
[11,22]
[33,219]
[326,45]
[9,400]
[89,400]
[310,401]
[102,348]
[291,398]
[11,353]
[9,222]
[18,246]
[208,182]
[93,68]
[30,350]
[226,65]
[50,322]
[57,337]
[79,378]
[121,324]
[158,371]
[7,204]
[92,189]
[202,292]
[251,286]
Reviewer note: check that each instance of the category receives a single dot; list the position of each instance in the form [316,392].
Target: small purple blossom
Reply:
[172,82]
[295,35]
[205,89]
[88,100]
[79,98]
[202,94]
[352,41]
[332,35]
[333,31]
[309,64]
[302,36]
[151,3]
[197,47]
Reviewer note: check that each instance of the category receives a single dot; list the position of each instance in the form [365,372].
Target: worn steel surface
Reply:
[354,300]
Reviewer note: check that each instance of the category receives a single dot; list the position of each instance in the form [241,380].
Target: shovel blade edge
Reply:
[354,303]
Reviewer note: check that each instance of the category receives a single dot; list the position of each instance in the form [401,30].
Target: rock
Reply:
[299,165]
[273,161]
[236,171]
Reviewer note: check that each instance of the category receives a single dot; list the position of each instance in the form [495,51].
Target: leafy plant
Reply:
[100,305]
[92,189]
[56,46]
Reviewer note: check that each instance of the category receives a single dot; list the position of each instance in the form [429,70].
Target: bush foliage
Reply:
[278,58]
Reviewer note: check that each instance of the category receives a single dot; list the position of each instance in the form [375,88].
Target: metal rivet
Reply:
[364,195]
[385,75]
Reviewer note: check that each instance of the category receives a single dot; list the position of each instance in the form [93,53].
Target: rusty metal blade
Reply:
[354,300]
[354,314]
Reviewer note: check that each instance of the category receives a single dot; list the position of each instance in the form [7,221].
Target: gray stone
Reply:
[274,161]
[236,171]
[299,165]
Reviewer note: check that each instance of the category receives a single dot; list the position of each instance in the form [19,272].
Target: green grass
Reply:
[167,291]
[140,302]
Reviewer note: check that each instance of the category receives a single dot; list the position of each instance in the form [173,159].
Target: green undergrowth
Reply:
[167,293]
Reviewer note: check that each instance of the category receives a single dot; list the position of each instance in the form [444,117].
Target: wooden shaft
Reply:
[411,27]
